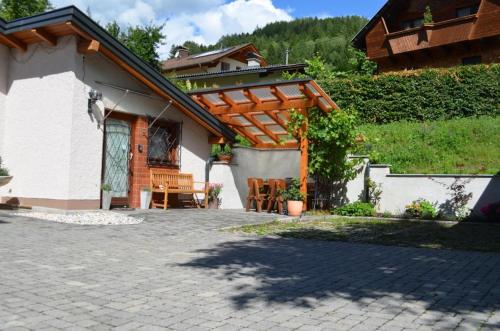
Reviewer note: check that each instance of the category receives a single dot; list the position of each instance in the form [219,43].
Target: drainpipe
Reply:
[208,166]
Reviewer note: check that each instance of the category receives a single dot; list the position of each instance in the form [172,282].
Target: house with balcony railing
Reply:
[454,32]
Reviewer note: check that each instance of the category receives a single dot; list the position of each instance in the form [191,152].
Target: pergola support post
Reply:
[304,159]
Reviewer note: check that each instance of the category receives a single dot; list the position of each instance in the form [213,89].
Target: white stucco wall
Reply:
[400,190]
[4,68]
[195,149]
[51,145]
[38,118]
[250,162]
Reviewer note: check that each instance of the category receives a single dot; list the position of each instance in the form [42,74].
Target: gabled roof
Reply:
[70,20]
[359,40]
[252,70]
[207,58]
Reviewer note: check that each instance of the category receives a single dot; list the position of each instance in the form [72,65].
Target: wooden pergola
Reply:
[261,112]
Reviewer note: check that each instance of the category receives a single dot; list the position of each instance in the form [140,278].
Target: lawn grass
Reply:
[461,146]
[442,235]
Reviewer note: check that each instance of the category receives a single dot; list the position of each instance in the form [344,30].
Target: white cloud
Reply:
[202,21]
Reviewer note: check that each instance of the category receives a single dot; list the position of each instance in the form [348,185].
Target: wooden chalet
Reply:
[461,32]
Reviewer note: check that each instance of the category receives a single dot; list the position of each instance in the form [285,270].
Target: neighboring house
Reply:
[271,73]
[461,32]
[60,74]
[226,59]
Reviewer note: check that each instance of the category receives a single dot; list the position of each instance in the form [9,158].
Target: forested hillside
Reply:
[329,38]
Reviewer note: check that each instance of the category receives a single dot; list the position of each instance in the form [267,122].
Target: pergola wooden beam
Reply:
[45,36]
[13,42]
[88,46]
[273,102]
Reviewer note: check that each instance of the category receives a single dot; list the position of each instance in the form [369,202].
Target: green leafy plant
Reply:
[12,9]
[106,187]
[3,171]
[143,41]
[242,141]
[357,208]
[428,15]
[421,208]
[218,150]
[214,191]
[331,137]
[292,192]
[374,191]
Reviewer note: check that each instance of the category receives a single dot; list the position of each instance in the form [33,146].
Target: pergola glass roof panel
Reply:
[291,91]
[264,94]
[237,96]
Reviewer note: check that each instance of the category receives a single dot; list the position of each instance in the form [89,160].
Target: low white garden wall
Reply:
[400,190]
[397,190]
[252,162]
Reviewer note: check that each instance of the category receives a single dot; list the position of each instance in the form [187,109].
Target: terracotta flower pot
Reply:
[294,208]
[224,158]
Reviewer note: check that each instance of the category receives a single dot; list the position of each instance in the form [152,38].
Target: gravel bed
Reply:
[84,218]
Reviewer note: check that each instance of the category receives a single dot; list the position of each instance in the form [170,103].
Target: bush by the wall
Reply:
[421,209]
[419,95]
[356,209]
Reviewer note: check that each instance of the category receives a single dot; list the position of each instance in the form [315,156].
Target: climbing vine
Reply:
[332,137]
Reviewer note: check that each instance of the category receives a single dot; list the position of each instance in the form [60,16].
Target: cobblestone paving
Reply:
[177,271]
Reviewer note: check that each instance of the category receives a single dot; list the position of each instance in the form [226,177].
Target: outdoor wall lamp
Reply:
[94,95]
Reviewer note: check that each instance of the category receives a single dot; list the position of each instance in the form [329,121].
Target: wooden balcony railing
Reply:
[432,35]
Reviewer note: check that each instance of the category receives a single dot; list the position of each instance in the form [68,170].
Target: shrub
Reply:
[421,209]
[356,209]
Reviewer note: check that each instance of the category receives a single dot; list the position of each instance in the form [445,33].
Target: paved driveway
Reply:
[177,271]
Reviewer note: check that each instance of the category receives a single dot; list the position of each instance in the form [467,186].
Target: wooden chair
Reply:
[275,199]
[168,181]
[255,194]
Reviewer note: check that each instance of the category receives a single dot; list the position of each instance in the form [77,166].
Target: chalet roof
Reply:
[205,58]
[254,70]
[70,20]
[359,40]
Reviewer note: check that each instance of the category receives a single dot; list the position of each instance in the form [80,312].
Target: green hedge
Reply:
[420,95]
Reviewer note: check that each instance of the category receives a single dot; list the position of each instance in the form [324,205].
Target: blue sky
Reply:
[304,8]
[205,21]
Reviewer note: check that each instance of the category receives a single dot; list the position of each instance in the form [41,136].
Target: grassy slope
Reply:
[466,146]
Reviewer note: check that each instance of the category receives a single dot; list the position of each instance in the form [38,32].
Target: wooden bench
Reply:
[168,181]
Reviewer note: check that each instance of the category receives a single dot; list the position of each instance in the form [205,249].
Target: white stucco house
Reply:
[61,75]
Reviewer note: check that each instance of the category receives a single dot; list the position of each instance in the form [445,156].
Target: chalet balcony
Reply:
[432,35]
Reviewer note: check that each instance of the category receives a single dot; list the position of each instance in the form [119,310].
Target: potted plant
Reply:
[224,154]
[107,194]
[214,191]
[294,198]
[146,195]
[4,175]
